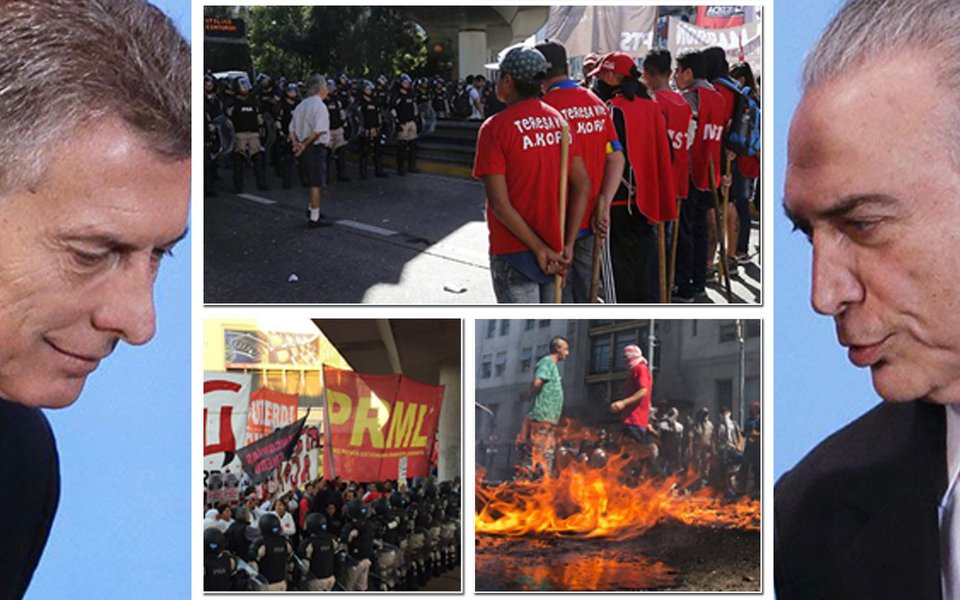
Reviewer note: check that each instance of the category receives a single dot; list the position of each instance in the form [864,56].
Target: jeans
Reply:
[578,277]
[513,287]
[692,246]
[740,193]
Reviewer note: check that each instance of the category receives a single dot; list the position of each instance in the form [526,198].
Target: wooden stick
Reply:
[726,208]
[662,251]
[564,152]
[722,264]
[673,252]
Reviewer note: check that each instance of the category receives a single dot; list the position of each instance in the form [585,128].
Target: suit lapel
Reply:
[895,553]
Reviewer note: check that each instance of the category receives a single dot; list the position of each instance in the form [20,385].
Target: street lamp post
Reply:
[742,370]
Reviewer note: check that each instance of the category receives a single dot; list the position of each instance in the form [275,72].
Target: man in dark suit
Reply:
[872,180]
[94,191]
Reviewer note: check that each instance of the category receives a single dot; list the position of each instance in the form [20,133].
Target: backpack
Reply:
[743,137]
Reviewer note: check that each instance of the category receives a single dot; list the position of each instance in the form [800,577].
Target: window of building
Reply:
[728,332]
[544,323]
[600,354]
[541,351]
[486,366]
[623,339]
[529,324]
[500,365]
[724,388]
[751,328]
[504,326]
[491,328]
[526,359]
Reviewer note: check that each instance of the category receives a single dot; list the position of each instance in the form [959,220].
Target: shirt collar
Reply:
[563,84]
[953,444]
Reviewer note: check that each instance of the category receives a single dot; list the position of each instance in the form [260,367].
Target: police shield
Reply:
[388,130]
[428,118]
[224,131]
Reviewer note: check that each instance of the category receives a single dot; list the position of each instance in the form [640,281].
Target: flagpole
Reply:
[327,439]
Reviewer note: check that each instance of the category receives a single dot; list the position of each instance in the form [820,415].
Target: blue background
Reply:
[123,526]
[816,389]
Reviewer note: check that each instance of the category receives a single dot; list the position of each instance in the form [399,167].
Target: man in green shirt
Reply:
[537,437]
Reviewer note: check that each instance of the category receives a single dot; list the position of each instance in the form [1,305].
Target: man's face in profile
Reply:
[870,180]
[78,258]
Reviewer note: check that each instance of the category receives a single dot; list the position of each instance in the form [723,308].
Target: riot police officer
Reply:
[212,108]
[318,552]
[219,566]
[405,113]
[358,535]
[249,126]
[371,120]
[271,554]
[337,107]
[285,159]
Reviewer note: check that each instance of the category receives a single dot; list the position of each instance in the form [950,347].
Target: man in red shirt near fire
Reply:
[590,121]
[518,159]
[634,407]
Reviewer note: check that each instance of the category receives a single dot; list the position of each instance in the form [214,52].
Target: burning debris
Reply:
[578,521]
[598,489]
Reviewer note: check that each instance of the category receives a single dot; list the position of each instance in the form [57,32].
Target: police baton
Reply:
[564,151]
[722,263]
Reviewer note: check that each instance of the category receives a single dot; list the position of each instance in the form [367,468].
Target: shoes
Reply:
[743,258]
[321,222]
[682,299]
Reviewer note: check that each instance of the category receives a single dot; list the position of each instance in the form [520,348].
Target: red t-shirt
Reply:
[639,377]
[522,143]
[677,113]
[590,121]
[710,123]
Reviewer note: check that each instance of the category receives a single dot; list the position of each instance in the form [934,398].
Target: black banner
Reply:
[262,457]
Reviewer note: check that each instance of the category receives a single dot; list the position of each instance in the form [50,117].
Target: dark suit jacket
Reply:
[29,492]
[857,517]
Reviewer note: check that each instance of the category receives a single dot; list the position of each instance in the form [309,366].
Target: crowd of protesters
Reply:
[334,536]
[654,145]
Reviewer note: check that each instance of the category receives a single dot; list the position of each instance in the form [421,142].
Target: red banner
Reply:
[378,423]
[719,17]
[269,410]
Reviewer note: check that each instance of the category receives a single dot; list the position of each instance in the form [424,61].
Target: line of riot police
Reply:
[396,542]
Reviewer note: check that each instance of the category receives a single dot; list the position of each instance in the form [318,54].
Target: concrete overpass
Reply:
[427,350]
[478,33]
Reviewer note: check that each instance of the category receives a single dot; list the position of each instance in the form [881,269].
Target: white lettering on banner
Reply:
[631,41]
[712,132]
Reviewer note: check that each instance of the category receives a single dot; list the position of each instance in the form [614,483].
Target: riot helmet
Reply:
[213,540]
[356,509]
[316,523]
[269,524]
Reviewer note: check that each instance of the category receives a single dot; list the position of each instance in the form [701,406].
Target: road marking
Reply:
[365,227]
[256,199]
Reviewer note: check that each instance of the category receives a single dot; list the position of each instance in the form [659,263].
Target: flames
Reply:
[603,499]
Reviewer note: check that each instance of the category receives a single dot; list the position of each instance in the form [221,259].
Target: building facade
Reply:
[695,363]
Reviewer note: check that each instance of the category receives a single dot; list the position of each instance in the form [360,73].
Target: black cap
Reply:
[554,52]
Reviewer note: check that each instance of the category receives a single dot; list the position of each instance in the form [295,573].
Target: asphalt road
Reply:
[419,239]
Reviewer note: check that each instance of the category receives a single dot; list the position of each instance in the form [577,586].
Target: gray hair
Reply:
[70,63]
[865,29]
[315,84]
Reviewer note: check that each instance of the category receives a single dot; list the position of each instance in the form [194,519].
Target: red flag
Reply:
[719,17]
[375,421]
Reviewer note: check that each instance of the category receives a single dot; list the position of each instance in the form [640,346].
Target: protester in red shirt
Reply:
[645,196]
[677,113]
[634,407]
[589,119]
[518,159]
[708,110]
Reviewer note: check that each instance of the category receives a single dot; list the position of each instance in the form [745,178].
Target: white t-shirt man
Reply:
[475,103]
[309,117]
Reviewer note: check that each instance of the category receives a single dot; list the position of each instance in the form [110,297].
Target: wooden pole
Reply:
[662,251]
[722,264]
[673,252]
[564,152]
[726,209]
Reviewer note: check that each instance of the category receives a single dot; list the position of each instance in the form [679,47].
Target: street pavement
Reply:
[419,239]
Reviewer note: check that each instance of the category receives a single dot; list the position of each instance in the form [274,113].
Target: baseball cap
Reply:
[618,62]
[554,52]
[524,64]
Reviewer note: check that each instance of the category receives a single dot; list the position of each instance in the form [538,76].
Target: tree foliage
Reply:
[364,41]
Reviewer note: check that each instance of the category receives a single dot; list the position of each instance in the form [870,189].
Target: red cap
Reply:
[618,62]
